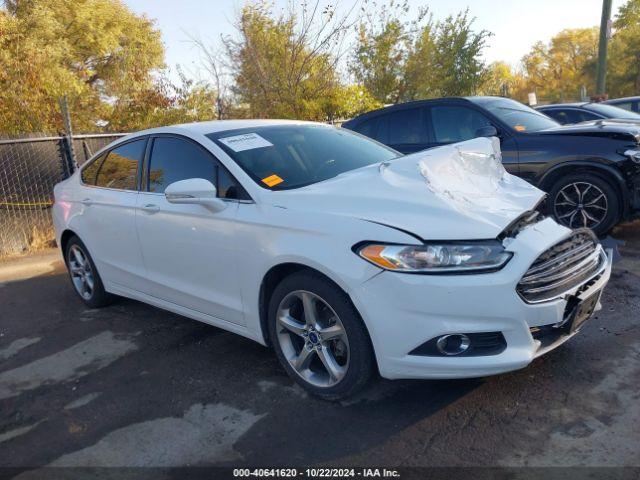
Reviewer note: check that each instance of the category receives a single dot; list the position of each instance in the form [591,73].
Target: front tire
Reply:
[319,337]
[584,200]
[84,275]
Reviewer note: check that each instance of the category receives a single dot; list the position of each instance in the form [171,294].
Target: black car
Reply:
[591,172]
[628,103]
[570,113]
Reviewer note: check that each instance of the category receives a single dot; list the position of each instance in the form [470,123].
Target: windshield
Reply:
[610,111]
[518,116]
[282,157]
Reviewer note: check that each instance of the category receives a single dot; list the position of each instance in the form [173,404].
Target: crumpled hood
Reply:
[455,192]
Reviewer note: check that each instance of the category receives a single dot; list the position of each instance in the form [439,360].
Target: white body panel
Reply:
[210,266]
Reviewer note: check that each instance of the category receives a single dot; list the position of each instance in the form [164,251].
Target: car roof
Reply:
[214,126]
[407,105]
[563,105]
[623,99]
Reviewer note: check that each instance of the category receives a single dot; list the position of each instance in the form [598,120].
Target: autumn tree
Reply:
[285,65]
[399,59]
[384,42]
[90,50]
[557,71]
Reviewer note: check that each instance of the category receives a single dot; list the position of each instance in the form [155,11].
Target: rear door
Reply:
[188,250]
[107,219]
[456,123]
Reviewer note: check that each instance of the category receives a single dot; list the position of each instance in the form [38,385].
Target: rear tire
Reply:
[84,275]
[584,200]
[327,351]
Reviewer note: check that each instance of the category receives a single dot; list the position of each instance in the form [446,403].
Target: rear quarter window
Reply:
[90,172]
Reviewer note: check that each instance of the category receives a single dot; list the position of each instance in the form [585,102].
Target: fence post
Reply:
[68,137]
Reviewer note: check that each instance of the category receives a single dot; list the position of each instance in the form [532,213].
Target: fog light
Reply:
[453,344]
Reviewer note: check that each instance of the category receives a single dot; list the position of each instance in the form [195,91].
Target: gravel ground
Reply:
[131,385]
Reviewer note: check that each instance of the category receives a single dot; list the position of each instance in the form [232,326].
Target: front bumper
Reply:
[402,311]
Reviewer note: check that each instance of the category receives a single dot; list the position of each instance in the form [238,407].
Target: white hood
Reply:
[455,192]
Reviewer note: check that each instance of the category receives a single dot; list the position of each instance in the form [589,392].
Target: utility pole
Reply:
[605,34]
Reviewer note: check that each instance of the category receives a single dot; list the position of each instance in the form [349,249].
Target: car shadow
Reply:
[176,363]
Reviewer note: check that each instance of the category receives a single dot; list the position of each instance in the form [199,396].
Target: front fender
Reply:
[270,236]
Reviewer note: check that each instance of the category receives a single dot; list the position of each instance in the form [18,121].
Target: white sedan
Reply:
[344,256]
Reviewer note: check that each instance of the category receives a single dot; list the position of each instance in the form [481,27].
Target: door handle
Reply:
[87,202]
[150,208]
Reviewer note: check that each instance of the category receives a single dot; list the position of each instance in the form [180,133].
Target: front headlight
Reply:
[470,257]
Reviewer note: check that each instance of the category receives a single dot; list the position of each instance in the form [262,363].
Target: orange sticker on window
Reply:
[520,128]
[272,181]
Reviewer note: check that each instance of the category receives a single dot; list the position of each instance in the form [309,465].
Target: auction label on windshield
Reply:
[272,180]
[246,141]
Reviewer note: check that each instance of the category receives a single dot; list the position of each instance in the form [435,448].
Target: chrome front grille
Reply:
[563,267]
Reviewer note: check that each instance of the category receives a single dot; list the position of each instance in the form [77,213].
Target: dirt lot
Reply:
[132,385]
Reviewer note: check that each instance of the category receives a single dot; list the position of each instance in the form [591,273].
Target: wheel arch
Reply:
[64,239]
[605,172]
[274,276]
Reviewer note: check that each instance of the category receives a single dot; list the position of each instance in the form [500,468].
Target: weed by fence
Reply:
[29,169]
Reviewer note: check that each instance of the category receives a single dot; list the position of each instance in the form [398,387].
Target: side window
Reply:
[456,124]
[626,106]
[228,187]
[173,159]
[586,116]
[90,172]
[120,169]
[559,115]
[367,128]
[404,127]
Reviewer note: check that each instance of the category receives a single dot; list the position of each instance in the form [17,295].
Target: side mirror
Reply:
[487,131]
[196,191]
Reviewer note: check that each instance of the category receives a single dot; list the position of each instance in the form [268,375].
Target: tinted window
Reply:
[120,168]
[456,124]
[404,127]
[367,128]
[174,159]
[624,105]
[90,172]
[609,111]
[291,156]
[570,115]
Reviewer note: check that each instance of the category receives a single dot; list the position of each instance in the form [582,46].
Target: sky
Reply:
[516,24]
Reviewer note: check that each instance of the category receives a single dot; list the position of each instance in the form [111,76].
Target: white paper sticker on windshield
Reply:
[247,141]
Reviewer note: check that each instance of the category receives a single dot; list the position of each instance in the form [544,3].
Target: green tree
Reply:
[623,78]
[457,56]
[399,59]
[97,52]
[286,65]
[384,42]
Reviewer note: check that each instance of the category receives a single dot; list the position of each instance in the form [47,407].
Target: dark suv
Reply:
[591,172]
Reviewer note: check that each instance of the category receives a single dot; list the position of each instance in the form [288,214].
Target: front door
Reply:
[188,250]
[457,123]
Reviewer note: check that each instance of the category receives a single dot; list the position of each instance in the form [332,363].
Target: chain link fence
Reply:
[29,169]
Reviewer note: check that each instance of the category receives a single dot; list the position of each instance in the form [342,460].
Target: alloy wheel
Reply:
[581,204]
[312,338]
[81,272]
